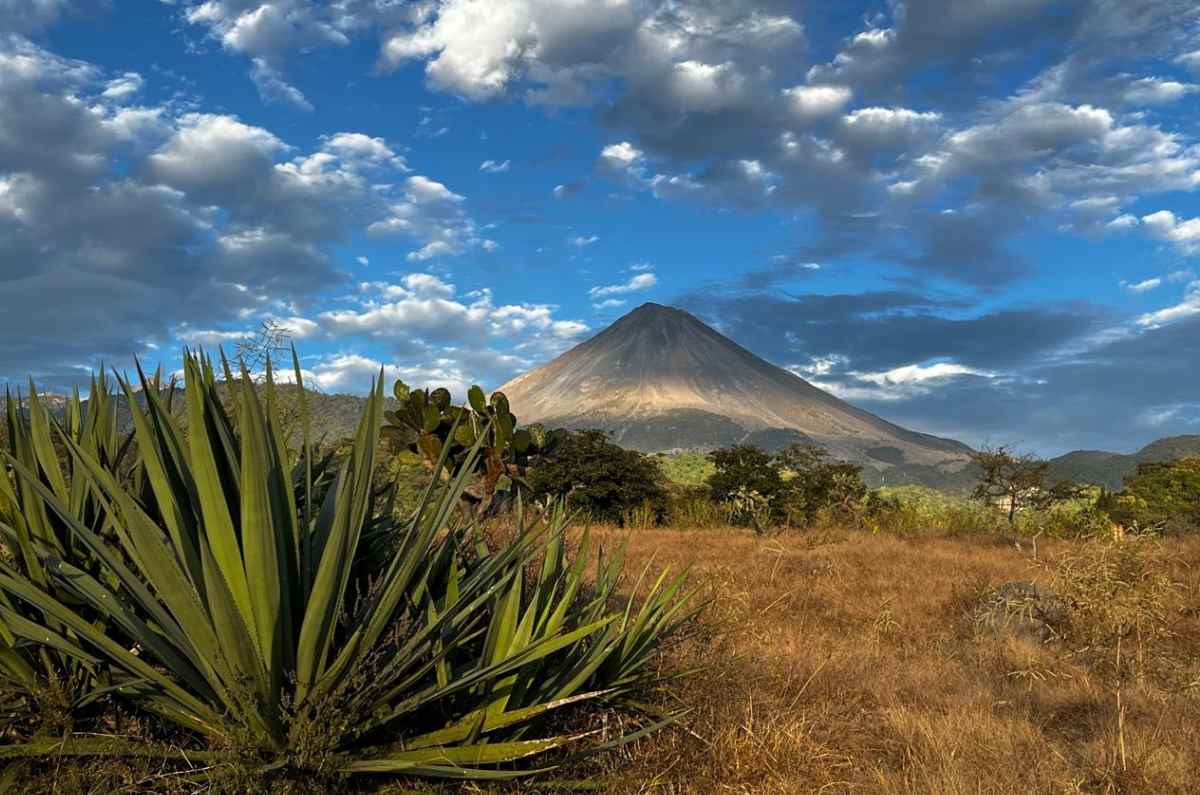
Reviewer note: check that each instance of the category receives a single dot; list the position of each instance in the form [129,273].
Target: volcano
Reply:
[661,380]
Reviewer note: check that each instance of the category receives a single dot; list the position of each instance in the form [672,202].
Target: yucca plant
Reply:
[231,600]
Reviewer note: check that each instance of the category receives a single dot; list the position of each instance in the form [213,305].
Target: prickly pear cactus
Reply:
[426,422]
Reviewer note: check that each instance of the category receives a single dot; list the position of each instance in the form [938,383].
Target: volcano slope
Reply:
[660,380]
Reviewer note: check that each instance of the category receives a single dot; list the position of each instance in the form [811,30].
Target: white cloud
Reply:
[210,338]
[813,102]
[96,195]
[268,29]
[620,156]
[431,324]
[583,241]
[432,214]
[609,303]
[274,89]
[123,87]
[1164,225]
[1144,286]
[495,167]
[641,281]
[1174,414]
[705,87]
[887,128]
[1188,307]
[364,151]
[1123,222]
[1157,91]
[899,383]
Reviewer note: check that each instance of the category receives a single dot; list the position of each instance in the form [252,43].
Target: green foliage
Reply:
[815,485]
[1159,496]
[221,587]
[428,424]
[744,467]
[747,506]
[693,507]
[798,486]
[48,678]
[687,469]
[1016,482]
[597,477]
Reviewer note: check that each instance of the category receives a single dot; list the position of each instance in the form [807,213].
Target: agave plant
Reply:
[228,598]
[30,533]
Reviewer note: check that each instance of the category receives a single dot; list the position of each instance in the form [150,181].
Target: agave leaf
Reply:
[112,651]
[337,558]
[214,495]
[462,756]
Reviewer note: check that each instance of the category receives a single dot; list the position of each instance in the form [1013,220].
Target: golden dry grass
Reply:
[843,662]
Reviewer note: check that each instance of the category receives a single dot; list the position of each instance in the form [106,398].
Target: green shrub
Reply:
[599,478]
[686,469]
[815,487]
[694,507]
[222,589]
[744,468]
[918,510]
[1160,496]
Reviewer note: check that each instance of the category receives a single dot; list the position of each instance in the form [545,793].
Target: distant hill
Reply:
[334,417]
[1110,469]
[661,380]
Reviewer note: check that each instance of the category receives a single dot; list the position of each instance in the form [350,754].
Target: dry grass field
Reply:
[843,662]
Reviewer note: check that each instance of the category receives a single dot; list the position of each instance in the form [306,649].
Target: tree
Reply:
[744,467]
[1158,494]
[270,343]
[818,484]
[1017,481]
[599,477]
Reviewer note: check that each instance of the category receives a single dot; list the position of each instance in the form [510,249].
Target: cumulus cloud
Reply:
[423,318]
[812,102]
[494,166]
[1164,225]
[433,215]
[563,48]
[138,220]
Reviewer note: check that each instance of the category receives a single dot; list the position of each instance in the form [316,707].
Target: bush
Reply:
[597,477]
[694,507]
[744,468]
[918,510]
[222,588]
[1159,496]
[816,486]
[686,469]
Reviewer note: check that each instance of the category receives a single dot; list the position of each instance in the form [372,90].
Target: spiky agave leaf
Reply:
[234,574]
[31,534]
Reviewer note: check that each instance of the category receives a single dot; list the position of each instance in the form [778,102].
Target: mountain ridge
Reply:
[1108,469]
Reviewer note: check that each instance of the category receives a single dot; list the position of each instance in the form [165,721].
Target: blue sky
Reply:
[978,219]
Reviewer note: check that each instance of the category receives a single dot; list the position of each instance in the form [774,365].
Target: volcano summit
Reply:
[659,380]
